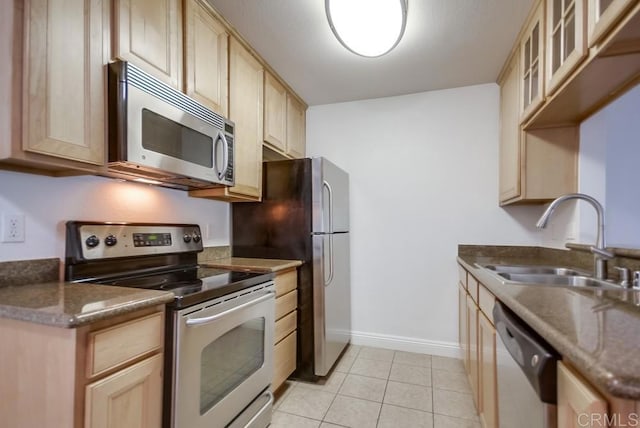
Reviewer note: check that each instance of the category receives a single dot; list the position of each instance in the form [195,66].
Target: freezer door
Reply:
[330,197]
[331,299]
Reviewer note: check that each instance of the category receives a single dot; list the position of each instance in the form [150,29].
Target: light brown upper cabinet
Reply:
[296,127]
[535,165]
[603,14]
[532,64]
[284,120]
[206,49]
[148,33]
[275,113]
[62,121]
[246,77]
[566,40]
[510,166]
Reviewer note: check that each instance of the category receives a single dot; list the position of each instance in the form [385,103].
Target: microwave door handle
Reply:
[206,320]
[225,154]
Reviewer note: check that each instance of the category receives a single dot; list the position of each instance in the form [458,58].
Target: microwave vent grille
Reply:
[126,171]
[144,82]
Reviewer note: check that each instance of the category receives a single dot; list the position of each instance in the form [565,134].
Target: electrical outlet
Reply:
[208,230]
[13,228]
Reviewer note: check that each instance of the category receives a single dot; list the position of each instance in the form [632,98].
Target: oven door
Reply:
[224,358]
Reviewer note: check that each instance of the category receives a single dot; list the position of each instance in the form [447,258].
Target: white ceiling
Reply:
[447,44]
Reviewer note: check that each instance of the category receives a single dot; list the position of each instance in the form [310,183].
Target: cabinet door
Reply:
[206,49]
[472,315]
[275,113]
[603,14]
[532,65]
[245,109]
[510,169]
[566,40]
[578,403]
[128,398]
[148,33]
[64,99]
[488,407]
[463,325]
[296,127]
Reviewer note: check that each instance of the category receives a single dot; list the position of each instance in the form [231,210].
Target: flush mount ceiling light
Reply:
[369,28]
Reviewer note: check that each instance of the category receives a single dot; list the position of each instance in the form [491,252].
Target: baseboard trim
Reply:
[407,344]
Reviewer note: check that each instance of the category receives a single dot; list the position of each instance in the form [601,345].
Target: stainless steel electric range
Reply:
[220,327]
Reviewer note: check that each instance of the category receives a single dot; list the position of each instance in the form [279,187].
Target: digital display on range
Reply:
[151,239]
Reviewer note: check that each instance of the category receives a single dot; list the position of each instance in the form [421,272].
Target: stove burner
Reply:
[146,282]
[185,287]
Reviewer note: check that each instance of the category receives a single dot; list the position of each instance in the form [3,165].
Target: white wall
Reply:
[423,171]
[610,172]
[47,203]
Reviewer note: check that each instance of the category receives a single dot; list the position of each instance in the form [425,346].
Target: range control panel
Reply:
[91,241]
[151,239]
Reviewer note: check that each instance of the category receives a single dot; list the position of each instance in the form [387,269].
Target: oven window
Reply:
[170,138]
[229,361]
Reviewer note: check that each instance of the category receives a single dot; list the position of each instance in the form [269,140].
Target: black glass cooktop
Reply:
[192,285]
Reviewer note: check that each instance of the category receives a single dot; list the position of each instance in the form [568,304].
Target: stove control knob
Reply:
[92,241]
[110,241]
[186,238]
[196,237]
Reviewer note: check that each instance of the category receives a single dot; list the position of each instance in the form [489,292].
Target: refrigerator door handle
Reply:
[328,280]
[330,203]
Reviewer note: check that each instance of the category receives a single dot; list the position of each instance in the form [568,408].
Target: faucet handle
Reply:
[624,274]
[602,253]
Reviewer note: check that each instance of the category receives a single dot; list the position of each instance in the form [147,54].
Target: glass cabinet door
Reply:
[566,44]
[603,14]
[532,65]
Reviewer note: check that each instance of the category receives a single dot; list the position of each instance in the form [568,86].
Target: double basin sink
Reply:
[548,276]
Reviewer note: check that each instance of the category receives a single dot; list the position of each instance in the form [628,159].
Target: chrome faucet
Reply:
[600,253]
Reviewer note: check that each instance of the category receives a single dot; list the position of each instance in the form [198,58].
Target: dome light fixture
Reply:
[369,28]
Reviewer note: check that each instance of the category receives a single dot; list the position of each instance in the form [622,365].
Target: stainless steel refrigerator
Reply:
[304,215]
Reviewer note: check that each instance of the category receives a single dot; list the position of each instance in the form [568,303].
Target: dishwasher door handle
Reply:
[536,358]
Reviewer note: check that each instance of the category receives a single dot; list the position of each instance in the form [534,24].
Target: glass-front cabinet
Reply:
[532,65]
[566,42]
[603,14]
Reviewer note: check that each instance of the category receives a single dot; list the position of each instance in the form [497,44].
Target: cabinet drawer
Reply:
[285,325]
[486,301]
[463,276]
[114,346]
[286,304]
[472,288]
[284,360]
[286,282]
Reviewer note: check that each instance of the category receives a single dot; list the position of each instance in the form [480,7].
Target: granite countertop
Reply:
[69,305]
[597,331]
[257,265]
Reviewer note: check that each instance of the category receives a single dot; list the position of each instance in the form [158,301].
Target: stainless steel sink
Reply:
[529,269]
[566,280]
[557,276]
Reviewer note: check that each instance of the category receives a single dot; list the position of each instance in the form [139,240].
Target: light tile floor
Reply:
[373,387]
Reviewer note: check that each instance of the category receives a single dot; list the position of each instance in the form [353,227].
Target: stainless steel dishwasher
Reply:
[526,367]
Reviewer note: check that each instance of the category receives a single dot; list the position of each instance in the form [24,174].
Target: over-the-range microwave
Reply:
[159,135]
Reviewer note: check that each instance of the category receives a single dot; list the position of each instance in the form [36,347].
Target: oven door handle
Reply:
[262,410]
[191,322]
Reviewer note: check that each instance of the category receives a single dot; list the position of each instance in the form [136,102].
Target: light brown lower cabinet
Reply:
[488,388]
[106,374]
[131,397]
[477,339]
[285,339]
[472,344]
[579,404]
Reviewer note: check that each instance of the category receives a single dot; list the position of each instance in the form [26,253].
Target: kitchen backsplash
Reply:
[23,272]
